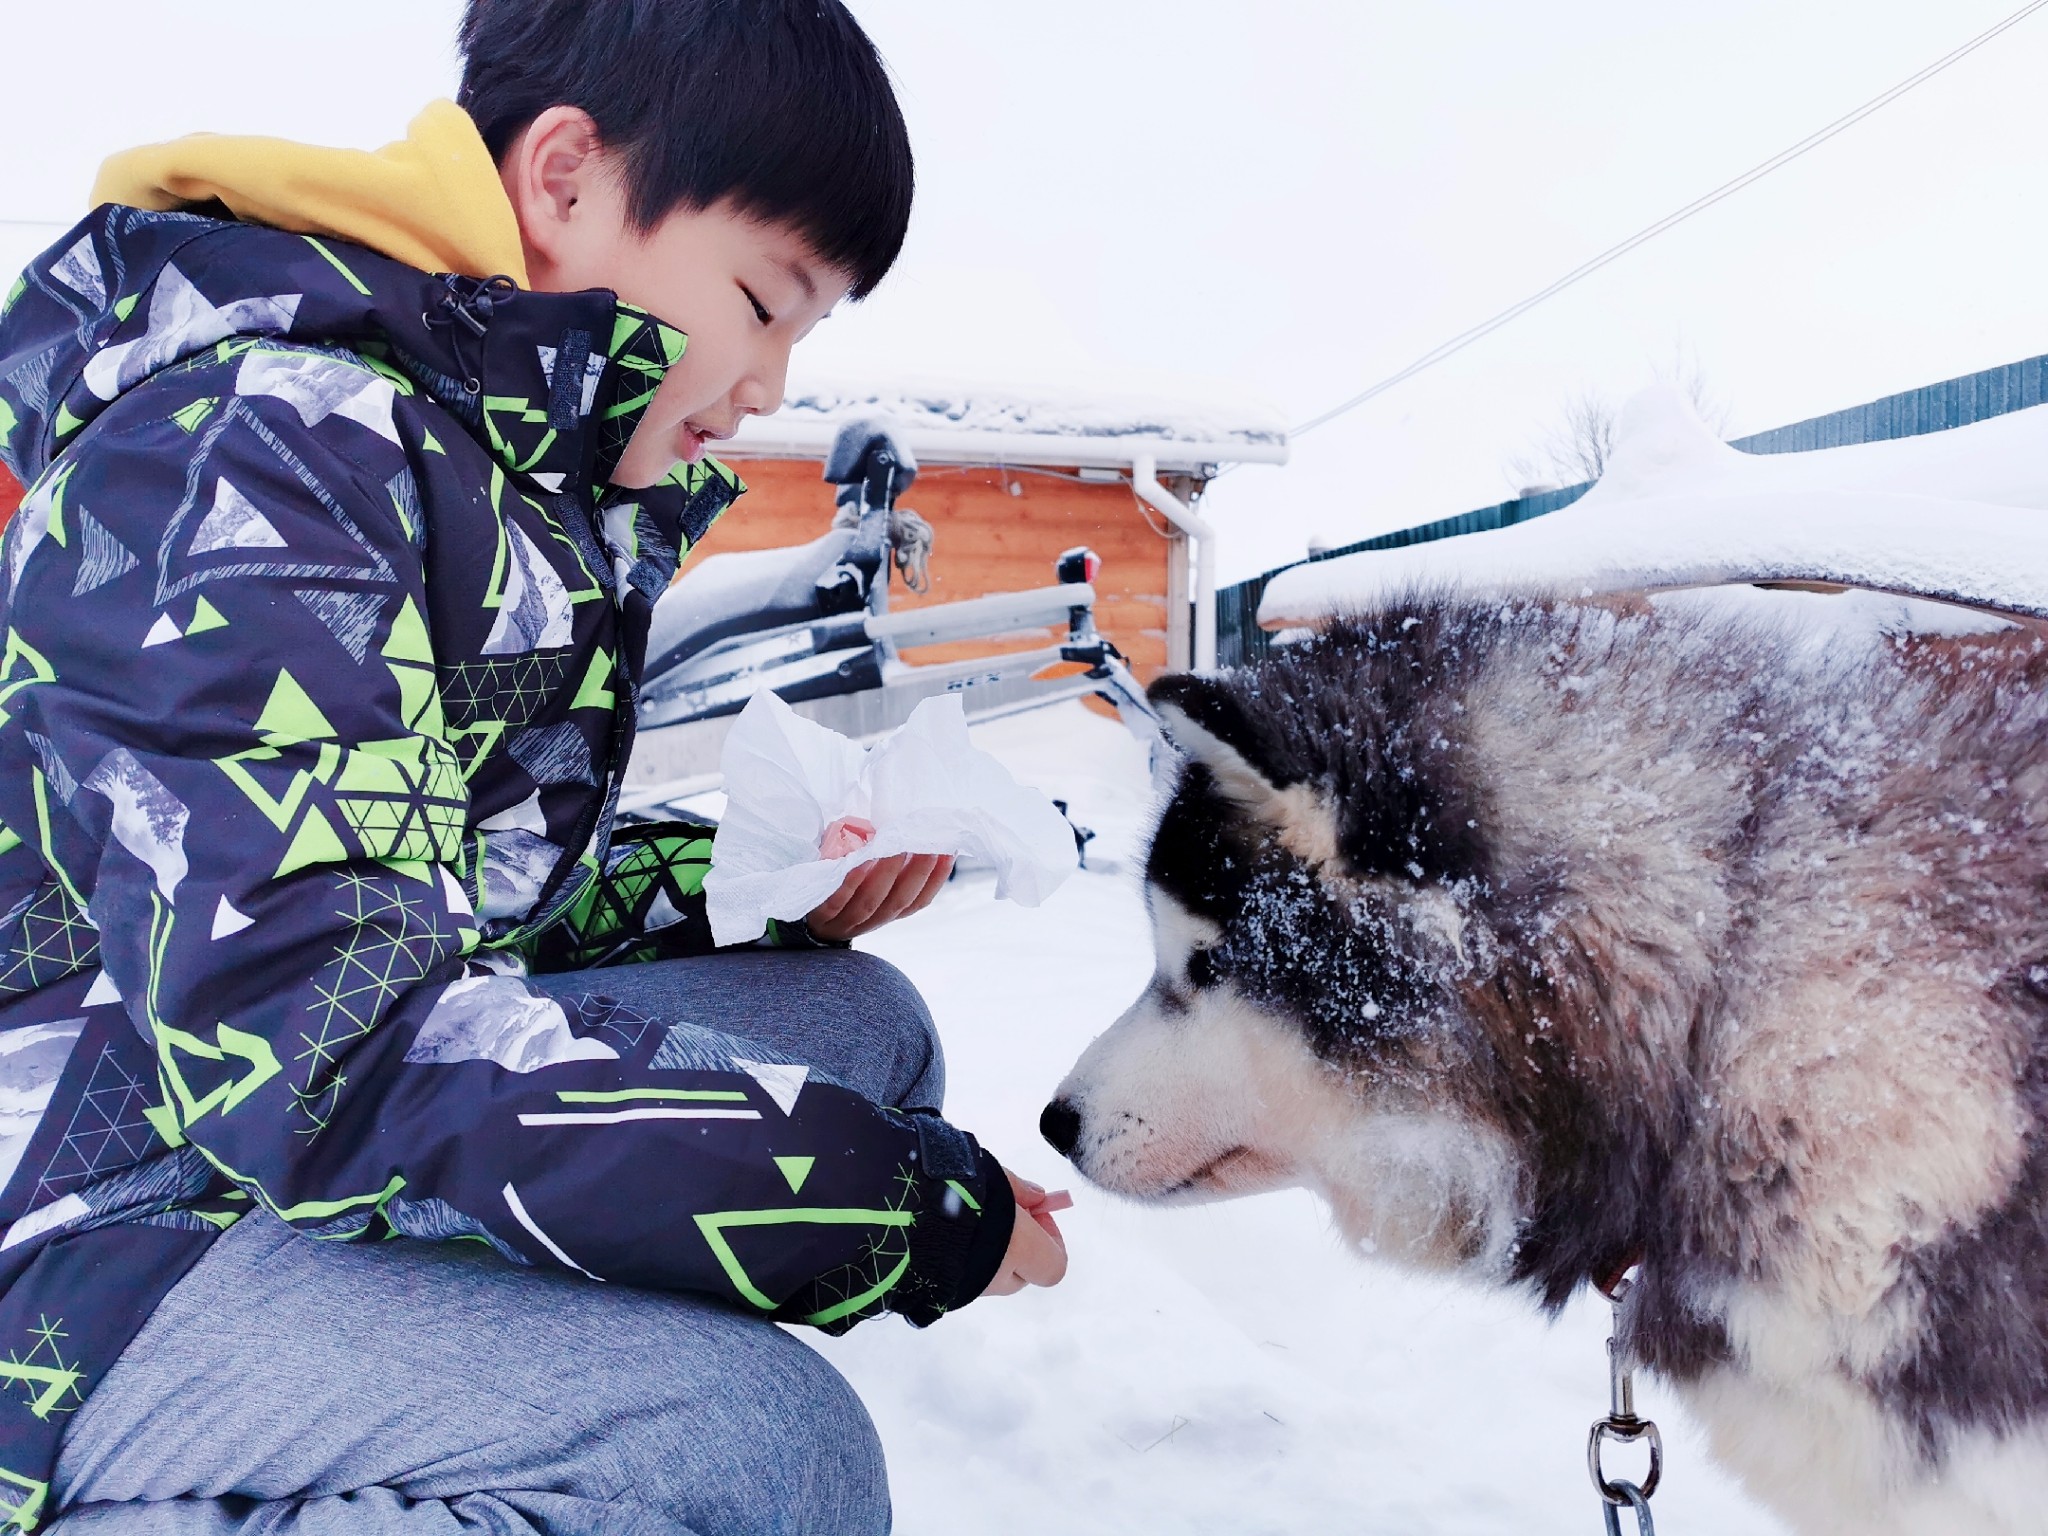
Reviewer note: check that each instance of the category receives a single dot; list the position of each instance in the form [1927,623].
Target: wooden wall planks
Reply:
[988,538]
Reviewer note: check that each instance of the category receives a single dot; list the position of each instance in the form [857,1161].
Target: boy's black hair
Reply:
[783,106]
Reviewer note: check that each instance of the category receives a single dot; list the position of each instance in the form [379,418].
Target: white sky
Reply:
[1293,199]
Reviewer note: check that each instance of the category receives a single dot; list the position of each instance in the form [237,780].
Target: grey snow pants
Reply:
[288,1387]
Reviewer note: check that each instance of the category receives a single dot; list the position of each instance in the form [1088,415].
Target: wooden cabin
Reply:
[1009,479]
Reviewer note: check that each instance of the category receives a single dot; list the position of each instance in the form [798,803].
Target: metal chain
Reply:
[1623,1425]
[1637,1501]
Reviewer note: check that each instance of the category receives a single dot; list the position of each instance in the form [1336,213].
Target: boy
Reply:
[324,612]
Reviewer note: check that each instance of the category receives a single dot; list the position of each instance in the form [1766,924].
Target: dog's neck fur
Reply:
[1608,968]
[1679,1084]
[1601,1130]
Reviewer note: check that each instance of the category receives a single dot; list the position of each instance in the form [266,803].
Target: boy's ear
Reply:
[1206,721]
[551,172]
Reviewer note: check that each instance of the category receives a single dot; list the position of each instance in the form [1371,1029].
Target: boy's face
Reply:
[743,291]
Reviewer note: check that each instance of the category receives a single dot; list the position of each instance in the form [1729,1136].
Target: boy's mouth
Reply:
[695,438]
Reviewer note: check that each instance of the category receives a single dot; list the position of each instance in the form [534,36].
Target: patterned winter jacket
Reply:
[318,680]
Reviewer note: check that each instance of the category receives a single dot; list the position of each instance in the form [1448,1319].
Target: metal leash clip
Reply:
[1622,1424]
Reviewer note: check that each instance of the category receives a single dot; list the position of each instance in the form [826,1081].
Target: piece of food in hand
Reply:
[849,834]
[1041,1204]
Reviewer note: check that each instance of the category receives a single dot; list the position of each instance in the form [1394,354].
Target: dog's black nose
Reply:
[1060,1125]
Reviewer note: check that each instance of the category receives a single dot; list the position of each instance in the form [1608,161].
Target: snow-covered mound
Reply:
[1960,516]
[933,411]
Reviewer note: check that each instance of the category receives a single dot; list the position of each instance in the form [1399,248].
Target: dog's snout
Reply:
[1060,1124]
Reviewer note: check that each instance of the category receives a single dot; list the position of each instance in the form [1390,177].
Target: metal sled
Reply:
[813,624]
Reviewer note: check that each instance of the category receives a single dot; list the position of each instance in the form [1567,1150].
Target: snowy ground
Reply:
[1228,1368]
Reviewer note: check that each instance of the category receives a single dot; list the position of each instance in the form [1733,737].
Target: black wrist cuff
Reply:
[965,1216]
[991,1239]
[795,933]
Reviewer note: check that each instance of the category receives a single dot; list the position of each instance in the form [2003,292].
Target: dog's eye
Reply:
[1201,968]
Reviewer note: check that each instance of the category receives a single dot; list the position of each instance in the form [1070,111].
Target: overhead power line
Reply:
[1614,253]
[60,224]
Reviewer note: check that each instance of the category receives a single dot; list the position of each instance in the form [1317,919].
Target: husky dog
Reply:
[1544,940]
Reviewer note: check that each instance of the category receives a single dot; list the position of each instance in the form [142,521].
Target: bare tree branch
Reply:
[1580,445]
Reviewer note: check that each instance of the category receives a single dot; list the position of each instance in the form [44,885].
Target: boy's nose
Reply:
[1060,1124]
[762,391]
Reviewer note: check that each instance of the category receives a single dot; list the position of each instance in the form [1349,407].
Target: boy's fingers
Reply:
[914,890]
[880,892]
[857,877]
[1037,1212]
[1037,1254]
[834,904]
[1039,1204]
[1034,1259]
[1041,1258]
[825,920]
[901,893]
[875,887]
[934,882]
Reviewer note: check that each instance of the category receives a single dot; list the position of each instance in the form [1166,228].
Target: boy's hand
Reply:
[878,893]
[1038,1254]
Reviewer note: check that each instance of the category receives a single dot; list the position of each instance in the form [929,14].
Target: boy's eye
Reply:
[760,313]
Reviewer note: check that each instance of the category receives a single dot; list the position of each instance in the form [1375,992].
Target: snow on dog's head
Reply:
[1309,917]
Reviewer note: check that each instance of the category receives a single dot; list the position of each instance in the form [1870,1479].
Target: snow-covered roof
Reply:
[957,422]
[1960,515]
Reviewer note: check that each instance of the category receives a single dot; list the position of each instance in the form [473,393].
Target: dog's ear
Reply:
[1204,718]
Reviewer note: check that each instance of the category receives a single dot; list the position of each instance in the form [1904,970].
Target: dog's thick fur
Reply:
[1542,939]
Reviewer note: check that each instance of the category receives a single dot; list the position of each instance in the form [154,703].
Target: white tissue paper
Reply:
[925,787]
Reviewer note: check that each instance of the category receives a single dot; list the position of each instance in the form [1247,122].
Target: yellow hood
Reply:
[433,200]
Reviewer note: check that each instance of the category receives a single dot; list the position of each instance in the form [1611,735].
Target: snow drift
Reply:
[1960,516]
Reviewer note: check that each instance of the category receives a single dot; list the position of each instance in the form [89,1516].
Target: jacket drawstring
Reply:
[467,305]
